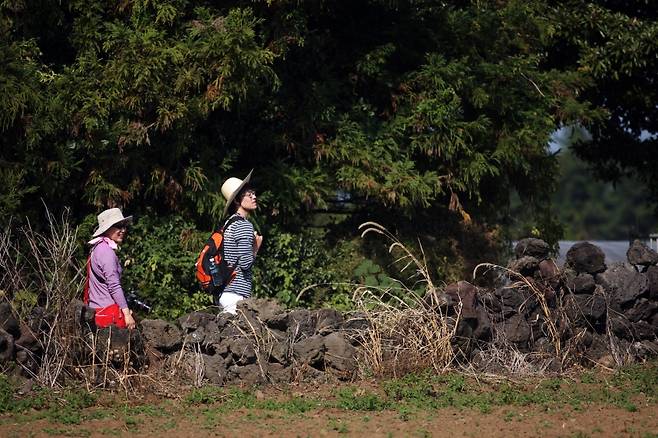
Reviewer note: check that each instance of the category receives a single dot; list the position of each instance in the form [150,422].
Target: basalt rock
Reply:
[652,276]
[264,309]
[586,257]
[8,320]
[251,374]
[643,309]
[549,273]
[162,335]
[328,321]
[278,373]
[28,341]
[621,327]
[532,247]
[463,294]
[585,313]
[623,283]
[640,254]
[84,316]
[310,351]
[585,308]
[194,320]
[516,329]
[214,368]
[526,265]
[339,353]
[644,330]
[355,321]
[119,346]
[483,326]
[301,323]
[510,299]
[582,284]
[279,352]
[242,350]
[645,350]
[6,346]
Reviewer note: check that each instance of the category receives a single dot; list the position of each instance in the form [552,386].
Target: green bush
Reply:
[159,253]
[290,263]
[158,257]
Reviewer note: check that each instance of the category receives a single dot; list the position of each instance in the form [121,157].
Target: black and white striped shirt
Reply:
[239,252]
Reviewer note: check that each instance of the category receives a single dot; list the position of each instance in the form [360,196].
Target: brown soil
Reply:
[174,419]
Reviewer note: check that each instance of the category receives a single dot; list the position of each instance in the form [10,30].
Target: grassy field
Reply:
[590,403]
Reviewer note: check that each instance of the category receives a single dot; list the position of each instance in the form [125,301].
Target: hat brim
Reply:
[229,201]
[128,220]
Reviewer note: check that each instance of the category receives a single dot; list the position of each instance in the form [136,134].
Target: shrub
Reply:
[290,263]
[158,258]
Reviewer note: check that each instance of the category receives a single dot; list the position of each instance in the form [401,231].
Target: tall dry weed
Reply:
[42,264]
[500,356]
[406,330]
[41,281]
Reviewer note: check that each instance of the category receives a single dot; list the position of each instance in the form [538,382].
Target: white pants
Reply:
[229,302]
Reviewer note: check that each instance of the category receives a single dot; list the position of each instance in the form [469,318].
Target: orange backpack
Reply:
[212,270]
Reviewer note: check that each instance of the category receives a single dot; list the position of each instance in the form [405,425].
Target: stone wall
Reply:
[585,312]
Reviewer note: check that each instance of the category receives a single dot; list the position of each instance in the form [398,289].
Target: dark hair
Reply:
[238,199]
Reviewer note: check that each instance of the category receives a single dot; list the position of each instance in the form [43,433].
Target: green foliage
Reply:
[371,274]
[354,400]
[615,45]
[12,191]
[591,209]
[204,395]
[369,108]
[158,258]
[65,407]
[293,264]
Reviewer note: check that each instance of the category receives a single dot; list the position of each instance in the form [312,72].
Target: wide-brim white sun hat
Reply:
[110,217]
[231,188]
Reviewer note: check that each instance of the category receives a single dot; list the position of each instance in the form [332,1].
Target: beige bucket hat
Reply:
[110,217]
[231,188]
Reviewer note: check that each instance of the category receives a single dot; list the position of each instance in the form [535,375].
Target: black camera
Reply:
[135,303]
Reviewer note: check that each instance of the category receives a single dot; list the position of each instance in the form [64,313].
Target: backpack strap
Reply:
[85,294]
[90,270]
[230,221]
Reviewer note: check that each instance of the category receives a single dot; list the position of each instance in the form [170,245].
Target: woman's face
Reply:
[248,201]
[116,233]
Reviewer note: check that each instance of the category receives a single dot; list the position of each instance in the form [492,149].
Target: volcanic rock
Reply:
[586,257]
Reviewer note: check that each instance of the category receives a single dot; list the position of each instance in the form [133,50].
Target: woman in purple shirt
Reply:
[103,290]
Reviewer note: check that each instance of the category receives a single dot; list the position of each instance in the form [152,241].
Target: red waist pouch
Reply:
[110,315]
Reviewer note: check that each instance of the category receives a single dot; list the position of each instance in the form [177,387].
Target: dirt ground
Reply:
[176,419]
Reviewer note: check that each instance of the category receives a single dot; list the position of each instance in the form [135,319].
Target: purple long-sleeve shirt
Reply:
[105,278]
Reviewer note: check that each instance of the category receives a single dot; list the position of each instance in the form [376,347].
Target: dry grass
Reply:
[520,281]
[409,332]
[42,264]
[39,272]
[406,331]
[502,355]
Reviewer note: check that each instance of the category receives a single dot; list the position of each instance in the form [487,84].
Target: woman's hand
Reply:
[128,316]
[258,240]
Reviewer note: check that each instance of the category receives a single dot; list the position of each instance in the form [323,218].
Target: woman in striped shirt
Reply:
[241,242]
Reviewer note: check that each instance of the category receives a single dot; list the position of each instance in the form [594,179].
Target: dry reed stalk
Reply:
[259,343]
[504,356]
[539,295]
[408,333]
[199,366]
[43,263]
